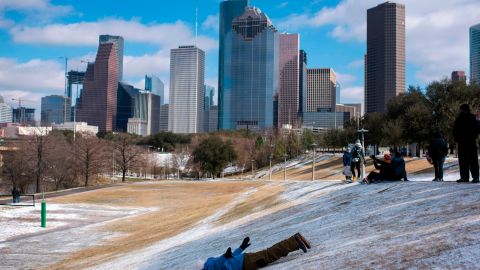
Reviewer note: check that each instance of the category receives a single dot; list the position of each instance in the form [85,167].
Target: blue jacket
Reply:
[347,158]
[222,263]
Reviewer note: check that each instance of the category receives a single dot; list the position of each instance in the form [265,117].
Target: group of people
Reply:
[391,168]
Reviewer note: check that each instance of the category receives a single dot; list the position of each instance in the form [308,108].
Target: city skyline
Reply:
[332,33]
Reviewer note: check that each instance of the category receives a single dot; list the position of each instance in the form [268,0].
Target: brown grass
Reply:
[181,205]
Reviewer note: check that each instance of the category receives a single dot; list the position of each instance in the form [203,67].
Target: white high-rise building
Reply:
[6,112]
[321,90]
[187,76]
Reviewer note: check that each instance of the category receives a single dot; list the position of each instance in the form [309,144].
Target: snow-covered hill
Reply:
[402,225]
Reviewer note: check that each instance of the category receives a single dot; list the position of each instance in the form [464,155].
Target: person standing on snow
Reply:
[438,150]
[347,161]
[358,155]
[251,261]
[465,132]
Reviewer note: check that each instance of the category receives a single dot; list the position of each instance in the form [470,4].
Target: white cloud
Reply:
[169,35]
[345,79]
[35,11]
[353,94]
[437,31]
[158,63]
[212,23]
[359,63]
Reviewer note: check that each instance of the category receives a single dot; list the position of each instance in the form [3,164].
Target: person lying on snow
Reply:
[391,169]
[250,261]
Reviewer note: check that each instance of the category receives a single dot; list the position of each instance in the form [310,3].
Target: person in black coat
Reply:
[465,132]
[438,150]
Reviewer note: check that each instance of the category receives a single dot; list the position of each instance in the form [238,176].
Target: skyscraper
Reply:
[187,76]
[118,41]
[163,126]
[55,109]
[147,108]
[126,96]
[289,94]
[385,58]
[229,10]
[475,54]
[24,116]
[459,76]
[6,112]
[155,85]
[208,100]
[321,90]
[302,81]
[98,102]
[247,98]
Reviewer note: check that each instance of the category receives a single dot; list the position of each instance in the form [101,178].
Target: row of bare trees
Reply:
[54,161]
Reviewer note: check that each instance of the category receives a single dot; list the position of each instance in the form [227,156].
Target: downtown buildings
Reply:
[187,76]
[117,41]
[385,58]
[475,54]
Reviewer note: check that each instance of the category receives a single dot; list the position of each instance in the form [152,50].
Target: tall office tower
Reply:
[459,76]
[98,102]
[385,59]
[74,88]
[6,112]
[55,110]
[253,69]
[321,90]
[126,96]
[163,126]
[147,108]
[187,76]
[302,81]
[118,41]
[212,119]
[155,85]
[475,54]
[208,100]
[289,92]
[229,10]
[24,116]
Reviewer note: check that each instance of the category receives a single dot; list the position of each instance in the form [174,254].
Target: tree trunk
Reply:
[123,175]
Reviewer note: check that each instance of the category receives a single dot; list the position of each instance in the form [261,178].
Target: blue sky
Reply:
[35,33]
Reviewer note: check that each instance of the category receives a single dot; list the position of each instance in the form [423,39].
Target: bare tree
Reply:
[91,155]
[127,153]
[17,166]
[36,152]
[61,167]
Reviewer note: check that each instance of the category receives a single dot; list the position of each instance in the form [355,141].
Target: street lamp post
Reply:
[253,170]
[285,167]
[313,161]
[270,171]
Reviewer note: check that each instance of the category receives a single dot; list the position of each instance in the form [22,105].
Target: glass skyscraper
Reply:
[250,72]
[229,10]
[475,53]
[155,85]
[55,110]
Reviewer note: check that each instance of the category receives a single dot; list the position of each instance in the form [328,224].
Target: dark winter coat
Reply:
[387,170]
[222,263]
[357,153]
[347,158]
[438,148]
[465,129]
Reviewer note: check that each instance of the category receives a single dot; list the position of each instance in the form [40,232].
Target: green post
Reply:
[44,214]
